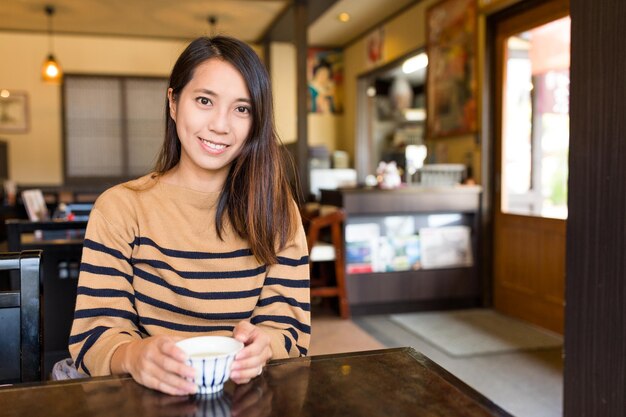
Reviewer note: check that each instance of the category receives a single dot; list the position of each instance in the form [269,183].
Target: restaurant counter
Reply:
[411,248]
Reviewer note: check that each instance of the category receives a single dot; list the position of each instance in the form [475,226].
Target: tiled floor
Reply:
[333,335]
[524,383]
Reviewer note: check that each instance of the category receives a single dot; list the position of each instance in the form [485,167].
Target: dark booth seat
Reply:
[62,245]
[20,319]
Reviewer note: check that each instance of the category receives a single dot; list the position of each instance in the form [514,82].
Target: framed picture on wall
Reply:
[325,80]
[13,111]
[451,79]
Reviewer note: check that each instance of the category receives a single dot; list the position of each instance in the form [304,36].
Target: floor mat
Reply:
[476,332]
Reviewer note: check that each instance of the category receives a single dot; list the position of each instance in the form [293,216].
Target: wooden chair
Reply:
[20,319]
[316,223]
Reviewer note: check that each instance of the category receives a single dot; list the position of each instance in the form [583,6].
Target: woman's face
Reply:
[213,118]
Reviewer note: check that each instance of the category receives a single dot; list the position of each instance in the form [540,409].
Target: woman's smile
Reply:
[212,147]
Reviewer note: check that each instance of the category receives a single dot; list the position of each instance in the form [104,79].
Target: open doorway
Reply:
[391,114]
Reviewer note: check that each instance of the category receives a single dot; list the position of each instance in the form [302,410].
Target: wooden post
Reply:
[301,44]
[595,313]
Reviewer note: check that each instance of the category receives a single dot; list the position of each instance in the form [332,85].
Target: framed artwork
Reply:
[325,80]
[451,79]
[13,111]
[375,47]
[35,205]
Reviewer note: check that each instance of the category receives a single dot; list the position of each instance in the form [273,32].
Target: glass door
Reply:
[531,144]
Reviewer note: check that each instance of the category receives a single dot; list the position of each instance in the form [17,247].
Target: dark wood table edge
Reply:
[51,383]
[458,384]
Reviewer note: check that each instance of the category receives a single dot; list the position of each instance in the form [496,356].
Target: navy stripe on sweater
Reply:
[287,343]
[105,292]
[293,262]
[105,270]
[148,321]
[99,247]
[192,254]
[303,351]
[293,333]
[290,283]
[91,340]
[106,312]
[287,300]
[245,273]
[207,316]
[282,319]
[82,336]
[226,295]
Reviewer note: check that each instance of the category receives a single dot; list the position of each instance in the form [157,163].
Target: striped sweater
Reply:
[152,265]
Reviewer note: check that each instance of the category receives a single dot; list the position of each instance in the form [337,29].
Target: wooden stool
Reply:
[321,285]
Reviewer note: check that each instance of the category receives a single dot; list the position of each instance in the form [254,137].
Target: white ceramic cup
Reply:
[211,357]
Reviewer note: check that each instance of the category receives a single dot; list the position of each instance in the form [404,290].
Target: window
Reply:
[113,127]
[536,121]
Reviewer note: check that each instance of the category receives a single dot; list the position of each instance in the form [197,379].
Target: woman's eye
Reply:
[203,100]
[243,109]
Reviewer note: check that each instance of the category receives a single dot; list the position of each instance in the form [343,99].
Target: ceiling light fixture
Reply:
[343,17]
[51,71]
[415,63]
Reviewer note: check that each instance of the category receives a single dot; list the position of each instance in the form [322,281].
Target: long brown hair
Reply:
[256,196]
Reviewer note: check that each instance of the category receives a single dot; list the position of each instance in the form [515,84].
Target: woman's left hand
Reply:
[250,360]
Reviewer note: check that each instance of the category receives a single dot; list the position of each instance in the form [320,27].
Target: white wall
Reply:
[325,129]
[283,75]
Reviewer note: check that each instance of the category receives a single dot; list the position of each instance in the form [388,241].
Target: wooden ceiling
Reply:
[248,20]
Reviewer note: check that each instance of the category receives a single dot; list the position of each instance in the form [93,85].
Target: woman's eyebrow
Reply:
[205,91]
[213,93]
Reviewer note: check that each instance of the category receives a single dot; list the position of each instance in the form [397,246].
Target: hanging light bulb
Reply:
[51,70]
[212,25]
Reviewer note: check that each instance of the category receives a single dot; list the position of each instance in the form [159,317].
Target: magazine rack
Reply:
[412,248]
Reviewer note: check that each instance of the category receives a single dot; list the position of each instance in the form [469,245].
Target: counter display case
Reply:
[412,248]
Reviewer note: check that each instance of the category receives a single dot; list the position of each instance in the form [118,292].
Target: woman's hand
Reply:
[156,362]
[250,360]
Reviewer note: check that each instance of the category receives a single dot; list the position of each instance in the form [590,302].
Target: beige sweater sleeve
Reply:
[105,316]
[283,309]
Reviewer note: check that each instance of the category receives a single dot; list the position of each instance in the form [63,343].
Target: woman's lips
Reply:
[212,146]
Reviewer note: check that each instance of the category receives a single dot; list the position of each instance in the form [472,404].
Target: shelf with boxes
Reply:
[411,248]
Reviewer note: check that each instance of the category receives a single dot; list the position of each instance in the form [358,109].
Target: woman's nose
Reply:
[220,121]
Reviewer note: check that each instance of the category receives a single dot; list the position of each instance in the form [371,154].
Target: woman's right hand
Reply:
[156,362]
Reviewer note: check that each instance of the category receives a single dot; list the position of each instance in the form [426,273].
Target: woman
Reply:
[210,243]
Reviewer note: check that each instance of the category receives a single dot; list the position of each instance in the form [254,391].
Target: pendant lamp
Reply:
[51,70]
[212,19]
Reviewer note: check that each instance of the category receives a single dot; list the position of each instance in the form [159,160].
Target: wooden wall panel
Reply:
[530,269]
[595,325]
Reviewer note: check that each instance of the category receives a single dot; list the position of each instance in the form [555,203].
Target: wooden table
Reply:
[391,382]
